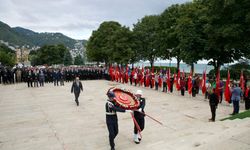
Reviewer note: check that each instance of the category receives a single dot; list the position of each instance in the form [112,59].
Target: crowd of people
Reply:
[37,76]
[193,85]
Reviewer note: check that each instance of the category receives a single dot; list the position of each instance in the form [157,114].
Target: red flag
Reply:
[183,74]
[111,72]
[168,79]
[242,81]
[178,86]
[147,78]
[227,92]
[142,78]
[152,70]
[203,84]
[218,83]
[126,75]
[153,79]
[190,85]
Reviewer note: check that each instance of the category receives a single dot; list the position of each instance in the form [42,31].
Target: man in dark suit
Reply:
[213,102]
[77,88]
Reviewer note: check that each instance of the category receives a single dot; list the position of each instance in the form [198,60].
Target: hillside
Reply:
[21,36]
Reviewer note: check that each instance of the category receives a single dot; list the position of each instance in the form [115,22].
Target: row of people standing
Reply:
[35,76]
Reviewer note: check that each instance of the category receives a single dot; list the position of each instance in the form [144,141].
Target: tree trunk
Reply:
[151,63]
[192,68]
[178,63]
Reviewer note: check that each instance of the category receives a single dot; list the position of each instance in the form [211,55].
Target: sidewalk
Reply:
[47,118]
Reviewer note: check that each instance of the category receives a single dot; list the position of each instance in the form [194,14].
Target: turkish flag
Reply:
[142,77]
[227,92]
[203,84]
[178,86]
[168,79]
[218,83]
[126,75]
[242,81]
[190,85]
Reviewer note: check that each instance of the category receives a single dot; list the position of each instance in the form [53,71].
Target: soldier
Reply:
[139,116]
[213,102]
[77,88]
[111,118]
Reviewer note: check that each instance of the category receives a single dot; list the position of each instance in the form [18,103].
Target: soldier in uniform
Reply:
[76,88]
[111,118]
[139,116]
[213,102]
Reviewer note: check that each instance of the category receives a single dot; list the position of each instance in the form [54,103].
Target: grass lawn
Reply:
[242,115]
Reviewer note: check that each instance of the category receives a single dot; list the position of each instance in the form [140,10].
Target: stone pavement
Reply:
[47,118]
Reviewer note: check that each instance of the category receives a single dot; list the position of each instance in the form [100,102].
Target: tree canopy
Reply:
[214,30]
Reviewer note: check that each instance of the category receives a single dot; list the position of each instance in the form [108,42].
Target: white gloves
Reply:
[110,104]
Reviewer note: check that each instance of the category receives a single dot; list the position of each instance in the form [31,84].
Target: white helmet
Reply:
[138,92]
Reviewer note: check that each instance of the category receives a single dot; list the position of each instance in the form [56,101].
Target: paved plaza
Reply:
[47,118]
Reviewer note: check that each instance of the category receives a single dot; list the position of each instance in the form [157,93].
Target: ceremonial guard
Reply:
[213,102]
[76,88]
[111,118]
[139,117]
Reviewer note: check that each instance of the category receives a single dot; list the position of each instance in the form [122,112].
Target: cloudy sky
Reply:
[77,18]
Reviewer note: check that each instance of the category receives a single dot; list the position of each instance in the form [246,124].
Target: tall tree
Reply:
[223,30]
[189,31]
[146,32]
[49,54]
[100,45]
[79,60]
[122,46]
[7,56]
[168,34]
[67,58]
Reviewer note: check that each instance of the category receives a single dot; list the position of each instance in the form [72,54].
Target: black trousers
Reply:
[76,98]
[30,83]
[182,91]
[236,106]
[247,103]
[113,131]
[213,111]
[156,85]
[141,123]
[164,87]
[221,96]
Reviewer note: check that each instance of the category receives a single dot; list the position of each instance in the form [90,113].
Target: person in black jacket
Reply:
[111,118]
[213,102]
[139,116]
[77,88]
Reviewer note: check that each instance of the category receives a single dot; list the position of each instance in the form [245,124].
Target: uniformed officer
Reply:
[139,116]
[111,118]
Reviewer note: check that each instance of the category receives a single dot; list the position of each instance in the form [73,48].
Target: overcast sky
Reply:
[77,18]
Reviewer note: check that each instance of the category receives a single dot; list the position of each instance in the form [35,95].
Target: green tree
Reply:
[7,55]
[122,49]
[146,32]
[168,24]
[100,45]
[67,58]
[49,54]
[189,31]
[79,60]
[225,30]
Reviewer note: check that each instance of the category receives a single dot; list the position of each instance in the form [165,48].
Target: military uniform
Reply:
[112,121]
